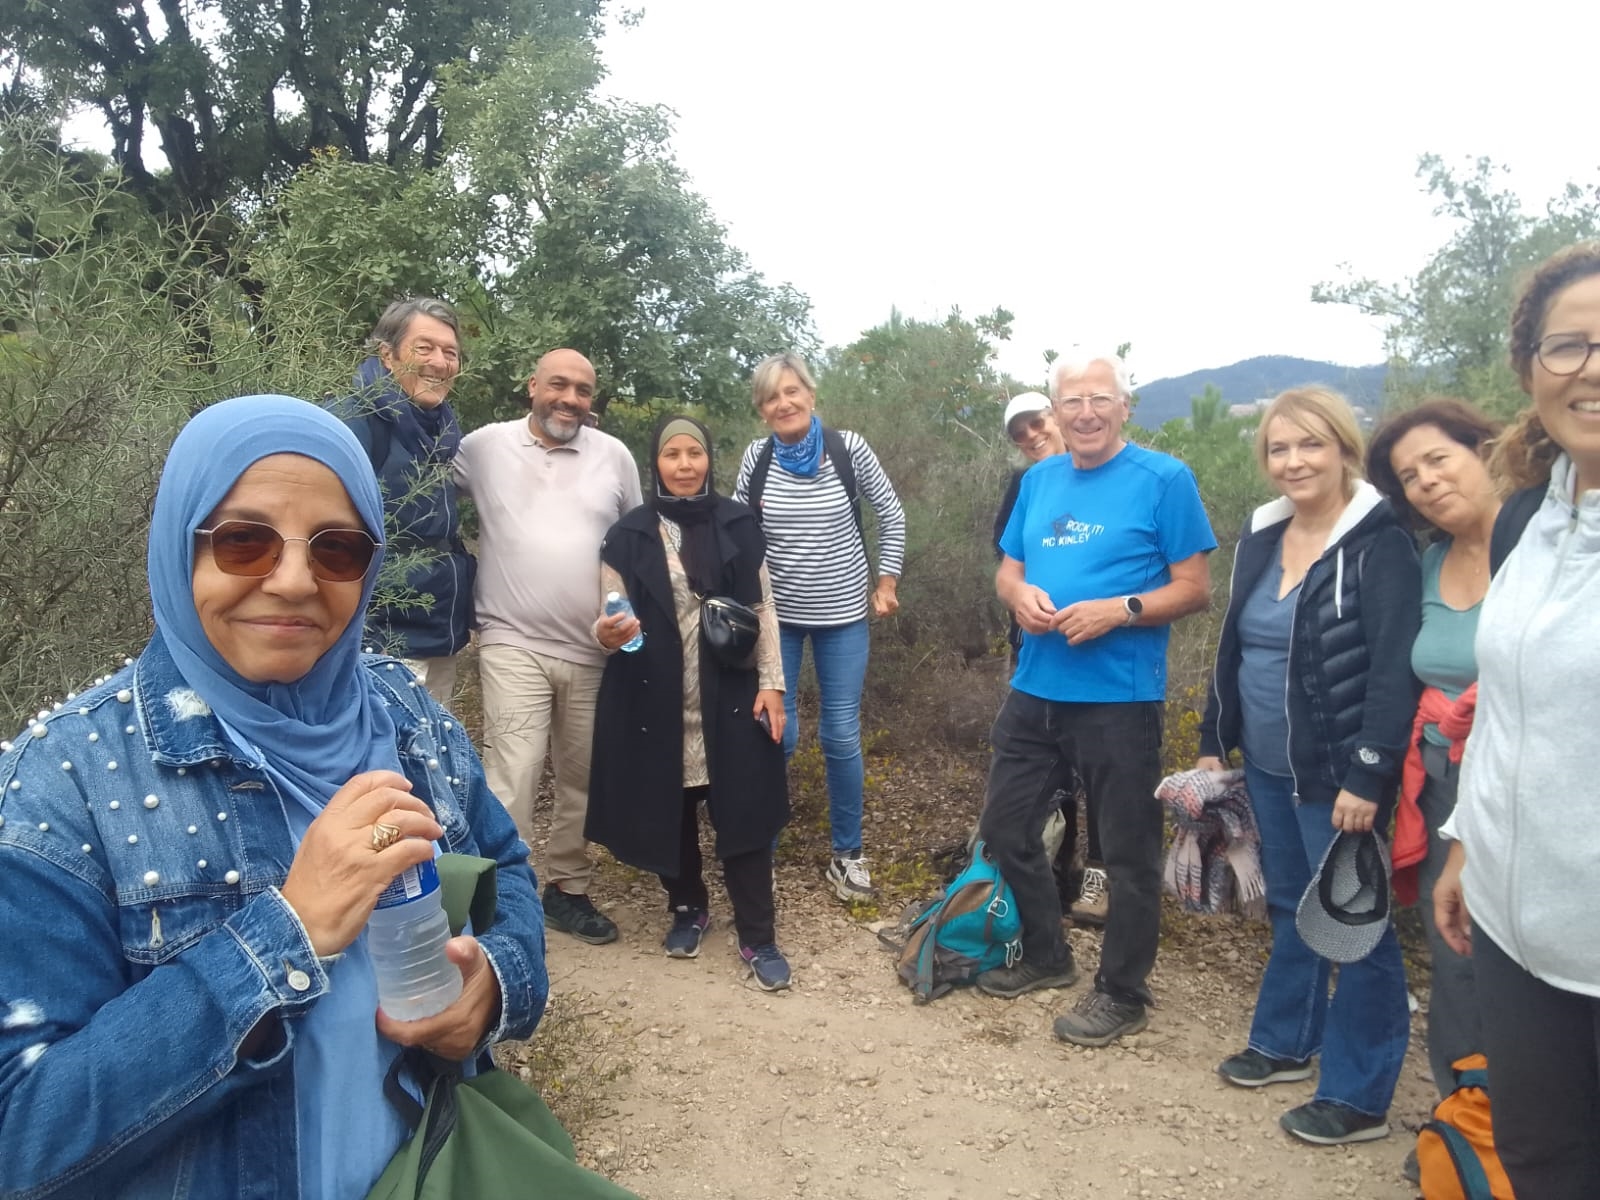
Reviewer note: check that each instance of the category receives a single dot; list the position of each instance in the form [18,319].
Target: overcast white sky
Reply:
[1174,175]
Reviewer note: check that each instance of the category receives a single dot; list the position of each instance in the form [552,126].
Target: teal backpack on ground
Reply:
[970,929]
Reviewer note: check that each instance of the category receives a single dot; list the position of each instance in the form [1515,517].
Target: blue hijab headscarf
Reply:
[327,726]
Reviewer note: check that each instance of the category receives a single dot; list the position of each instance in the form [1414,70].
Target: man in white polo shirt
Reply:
[547,488]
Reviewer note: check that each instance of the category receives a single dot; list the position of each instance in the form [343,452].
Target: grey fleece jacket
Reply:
[1529,805]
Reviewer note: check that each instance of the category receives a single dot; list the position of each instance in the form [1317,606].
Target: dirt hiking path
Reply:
[842,1088]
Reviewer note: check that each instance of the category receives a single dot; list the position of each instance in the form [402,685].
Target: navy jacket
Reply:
[1351,696]
[421,516]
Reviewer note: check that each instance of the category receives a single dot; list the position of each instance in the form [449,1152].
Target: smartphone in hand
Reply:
[763,720]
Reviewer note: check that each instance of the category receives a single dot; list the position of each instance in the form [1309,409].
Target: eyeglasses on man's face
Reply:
[1566,353]
[1099,401]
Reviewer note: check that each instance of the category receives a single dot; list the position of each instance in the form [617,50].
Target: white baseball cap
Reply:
[1024,404]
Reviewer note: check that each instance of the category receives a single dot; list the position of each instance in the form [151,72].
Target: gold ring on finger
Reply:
[384,836]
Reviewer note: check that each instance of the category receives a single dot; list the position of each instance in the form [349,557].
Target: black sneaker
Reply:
[1324,1123]
[1010,982]
[1099,1019]
[688,927]
[575,914]
[1253,1069]
[1411,1169]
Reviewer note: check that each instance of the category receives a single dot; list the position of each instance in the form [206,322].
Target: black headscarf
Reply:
[701,552]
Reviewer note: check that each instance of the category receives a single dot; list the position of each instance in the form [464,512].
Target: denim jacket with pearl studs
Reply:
[140,861]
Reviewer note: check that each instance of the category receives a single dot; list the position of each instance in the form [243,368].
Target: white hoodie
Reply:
[1529,805]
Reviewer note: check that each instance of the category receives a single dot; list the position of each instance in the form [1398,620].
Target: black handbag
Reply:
[730,631]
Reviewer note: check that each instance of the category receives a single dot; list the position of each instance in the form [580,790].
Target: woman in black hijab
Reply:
[659,749]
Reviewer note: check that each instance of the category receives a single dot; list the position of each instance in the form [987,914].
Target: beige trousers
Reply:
[438,675]
[532,702]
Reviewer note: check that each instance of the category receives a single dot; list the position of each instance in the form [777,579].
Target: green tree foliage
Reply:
[234,95]
[928,398]
[1446,327]
[944,370]
[96,374]
[113,331]
[1220,450]
[557,219]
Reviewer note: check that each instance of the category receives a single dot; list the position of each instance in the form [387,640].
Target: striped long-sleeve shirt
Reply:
[820,574]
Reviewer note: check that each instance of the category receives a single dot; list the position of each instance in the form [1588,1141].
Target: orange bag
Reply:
[1455,1150]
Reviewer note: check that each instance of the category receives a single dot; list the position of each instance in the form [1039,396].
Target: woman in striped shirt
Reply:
[822,580]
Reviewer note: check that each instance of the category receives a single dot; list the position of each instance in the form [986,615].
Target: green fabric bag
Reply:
[489,1136]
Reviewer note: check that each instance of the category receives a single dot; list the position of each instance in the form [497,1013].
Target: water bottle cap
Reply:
[612,597]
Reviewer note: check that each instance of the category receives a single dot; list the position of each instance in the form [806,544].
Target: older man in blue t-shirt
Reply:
[1105,548]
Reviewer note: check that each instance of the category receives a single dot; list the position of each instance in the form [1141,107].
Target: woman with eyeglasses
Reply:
[190,850]
[1528,812]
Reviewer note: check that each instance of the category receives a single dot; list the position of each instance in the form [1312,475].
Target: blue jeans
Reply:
[839,654]
[1362,1032]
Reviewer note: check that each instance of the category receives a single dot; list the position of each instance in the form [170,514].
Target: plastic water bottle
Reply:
[616,603]
[406,934]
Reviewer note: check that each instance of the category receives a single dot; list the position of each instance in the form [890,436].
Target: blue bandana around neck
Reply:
[804,458]
[430,435]
[327,726]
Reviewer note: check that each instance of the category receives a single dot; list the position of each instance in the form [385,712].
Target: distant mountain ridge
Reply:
[1256,379]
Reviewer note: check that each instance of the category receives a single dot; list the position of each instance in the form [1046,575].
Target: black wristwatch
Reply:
[1135,606]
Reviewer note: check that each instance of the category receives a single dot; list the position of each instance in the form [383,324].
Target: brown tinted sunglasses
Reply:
[253,550]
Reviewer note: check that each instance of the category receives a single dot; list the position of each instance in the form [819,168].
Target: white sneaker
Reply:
[850,878]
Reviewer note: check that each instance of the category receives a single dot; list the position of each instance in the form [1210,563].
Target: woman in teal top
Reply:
[1429,462]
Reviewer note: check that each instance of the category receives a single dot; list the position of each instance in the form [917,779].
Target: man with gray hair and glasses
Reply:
[1105,548]
[400,413]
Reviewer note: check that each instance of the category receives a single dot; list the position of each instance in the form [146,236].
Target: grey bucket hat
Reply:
[1345,910]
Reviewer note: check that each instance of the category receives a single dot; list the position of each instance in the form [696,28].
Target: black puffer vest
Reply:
[1351,694]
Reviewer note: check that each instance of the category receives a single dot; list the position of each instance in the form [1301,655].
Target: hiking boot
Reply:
[851,880]
[688,927]
[1090,906]
[1411,1169]
[1253,1069]
[574,913]
[1010,982]
[1324,1123]
[768,965]
[1099,1019]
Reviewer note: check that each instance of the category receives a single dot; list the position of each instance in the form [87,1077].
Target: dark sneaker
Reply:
[850,878]
[688,927]
[1099,1019]
[1010,982]
[576,914]
[1324,1123]
[1093,898]
[768,965]
[1252,1069]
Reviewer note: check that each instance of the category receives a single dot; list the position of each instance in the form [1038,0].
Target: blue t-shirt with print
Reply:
[1094,534]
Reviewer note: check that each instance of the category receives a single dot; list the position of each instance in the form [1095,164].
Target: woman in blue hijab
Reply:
[194,846]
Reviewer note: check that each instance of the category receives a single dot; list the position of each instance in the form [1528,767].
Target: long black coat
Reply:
[636,777]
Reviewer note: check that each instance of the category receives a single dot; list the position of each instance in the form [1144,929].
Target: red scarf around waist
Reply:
[1410,847]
